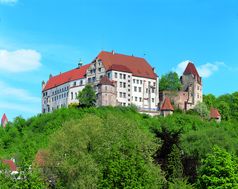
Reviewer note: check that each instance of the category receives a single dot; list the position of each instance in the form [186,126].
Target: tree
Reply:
[170,82]
[224,110]
[209,100]
[103,153]
[202,110]
[218,170]
[175,166]
[87,97]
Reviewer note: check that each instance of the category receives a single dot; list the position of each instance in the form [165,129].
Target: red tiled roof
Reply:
[4,120]
[106,81]
[138,66]
[214,113]
[167,105]
[11,164]
[65,77]
[191,69]
[121,68]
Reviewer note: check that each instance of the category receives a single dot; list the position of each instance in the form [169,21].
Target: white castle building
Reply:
[117,79]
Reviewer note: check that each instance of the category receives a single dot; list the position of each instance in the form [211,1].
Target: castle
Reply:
[117,79]
[191,91]
[120,80]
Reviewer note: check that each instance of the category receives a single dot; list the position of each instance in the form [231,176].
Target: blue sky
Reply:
[39,37]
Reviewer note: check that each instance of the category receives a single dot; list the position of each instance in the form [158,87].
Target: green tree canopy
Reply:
[87,97]
[218,170]
[202,110]
[209,100]
[170,82]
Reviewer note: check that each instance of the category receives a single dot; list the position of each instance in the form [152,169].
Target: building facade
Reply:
[117,79]
[190,94]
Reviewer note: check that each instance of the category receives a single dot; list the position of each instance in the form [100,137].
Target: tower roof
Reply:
[167,105]
[191,69]
[106,81]
[214,113]
[4,120]
[135,65]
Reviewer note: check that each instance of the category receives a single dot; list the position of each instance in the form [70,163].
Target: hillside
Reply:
[116,148]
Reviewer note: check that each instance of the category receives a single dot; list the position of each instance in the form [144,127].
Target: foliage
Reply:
[224,110]
[175,166]
[170,82]
[87,97]
[118,139]
[202,110]
[180,184]
[218,170]
[109,153]
[26,178]
[209,100]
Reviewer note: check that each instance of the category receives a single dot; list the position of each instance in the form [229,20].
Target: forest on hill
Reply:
[118,147]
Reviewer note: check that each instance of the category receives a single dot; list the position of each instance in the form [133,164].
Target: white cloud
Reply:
[204,70]
[8,1]
[20,60]
[17,94]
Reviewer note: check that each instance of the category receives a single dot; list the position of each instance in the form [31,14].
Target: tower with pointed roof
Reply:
[4,120]
[192,83]
[167,108]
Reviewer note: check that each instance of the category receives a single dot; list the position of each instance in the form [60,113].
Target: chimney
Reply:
[50,76]
[153,68]
[113,52]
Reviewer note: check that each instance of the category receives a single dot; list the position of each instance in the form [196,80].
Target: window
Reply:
[89,80]
[75,83]
[75,95]
[124,76]
[135,89]
[105,88]
[120,76]
[109,75]
[140,99]
[115,75]
[137,81]
[129,76]
[146,90]
[154,84]
[72,95]
[94,79]
[124,95]
[134,80]
[139,89]
[99,69]
[81,82]
[153,90]
[136,98]
[121,84]
[153,100]
[121,94]
[141,82]
[124,85]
